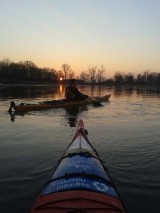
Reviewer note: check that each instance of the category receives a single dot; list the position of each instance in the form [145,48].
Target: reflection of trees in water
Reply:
[32,91]
[145,91]
[130,91]
[57,91]
[93,90]
[120,91]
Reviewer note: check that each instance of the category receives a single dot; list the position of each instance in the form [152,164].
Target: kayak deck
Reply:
[24,107]
[79,182]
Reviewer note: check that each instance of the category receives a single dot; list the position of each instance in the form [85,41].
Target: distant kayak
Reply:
[79,182]
[62,103]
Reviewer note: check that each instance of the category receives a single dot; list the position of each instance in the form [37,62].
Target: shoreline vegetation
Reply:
[26,73]
[5,86]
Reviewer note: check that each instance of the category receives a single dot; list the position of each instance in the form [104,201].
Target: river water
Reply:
[125,132]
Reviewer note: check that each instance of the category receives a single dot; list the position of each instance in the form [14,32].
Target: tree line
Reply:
[28,71]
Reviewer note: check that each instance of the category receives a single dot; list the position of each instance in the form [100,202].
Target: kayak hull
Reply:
[79,182]
[23,107]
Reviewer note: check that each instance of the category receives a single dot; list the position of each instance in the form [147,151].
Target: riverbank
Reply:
[44,84]
[4,84]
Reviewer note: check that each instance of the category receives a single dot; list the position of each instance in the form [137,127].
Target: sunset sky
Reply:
[121,35]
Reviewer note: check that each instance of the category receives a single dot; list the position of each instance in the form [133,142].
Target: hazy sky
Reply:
[121,35]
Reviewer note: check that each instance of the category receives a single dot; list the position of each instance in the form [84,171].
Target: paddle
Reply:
[95,103]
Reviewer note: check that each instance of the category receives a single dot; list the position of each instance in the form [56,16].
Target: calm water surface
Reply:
[125,132]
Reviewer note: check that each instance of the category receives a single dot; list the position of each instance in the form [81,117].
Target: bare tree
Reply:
[29,68]
[158,79]
[60,74]
[129,78]
[143,78]
[84,76]
[92,74]
[71,74]
[100,74]
[118,78]
[152,77]
[5,68]
[66,70]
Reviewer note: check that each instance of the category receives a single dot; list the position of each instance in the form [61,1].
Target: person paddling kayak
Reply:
[72,93]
